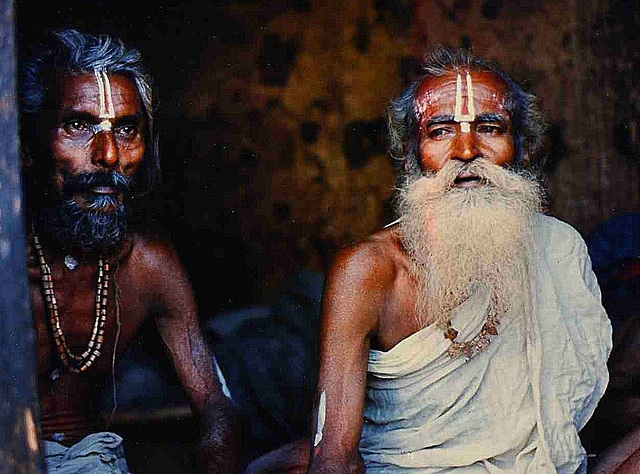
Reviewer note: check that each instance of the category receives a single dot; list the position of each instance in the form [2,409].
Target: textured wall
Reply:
[301,99]
[309,112]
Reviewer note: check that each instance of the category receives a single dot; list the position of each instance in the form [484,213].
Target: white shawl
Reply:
[518,405]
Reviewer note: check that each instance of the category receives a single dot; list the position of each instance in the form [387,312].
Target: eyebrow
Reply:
[438,119]
[492,117]
[484,118]
[68,114]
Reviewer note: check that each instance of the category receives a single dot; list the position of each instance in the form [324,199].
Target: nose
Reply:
[465,147]
[105,152]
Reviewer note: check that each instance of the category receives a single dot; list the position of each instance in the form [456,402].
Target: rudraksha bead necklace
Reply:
[75,363]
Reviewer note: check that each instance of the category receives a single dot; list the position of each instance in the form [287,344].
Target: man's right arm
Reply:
[354,295]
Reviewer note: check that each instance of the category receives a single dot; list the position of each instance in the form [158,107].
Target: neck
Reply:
[57,251]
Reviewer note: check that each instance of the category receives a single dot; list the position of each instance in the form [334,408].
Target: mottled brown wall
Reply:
[303,101]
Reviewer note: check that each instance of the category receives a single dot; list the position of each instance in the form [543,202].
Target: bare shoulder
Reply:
[378,257]
[150,249]
[154,269]
[363,281]
[155,261]
[153,253]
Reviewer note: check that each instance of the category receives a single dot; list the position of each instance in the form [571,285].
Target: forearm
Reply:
[217,449]
[324,465]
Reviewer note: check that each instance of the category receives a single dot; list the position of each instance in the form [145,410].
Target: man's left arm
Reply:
[179,328]
[587,325]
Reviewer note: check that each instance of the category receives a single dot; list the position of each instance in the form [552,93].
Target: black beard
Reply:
[98,226]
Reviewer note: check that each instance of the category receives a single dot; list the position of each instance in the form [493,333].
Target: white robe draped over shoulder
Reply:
[516,406]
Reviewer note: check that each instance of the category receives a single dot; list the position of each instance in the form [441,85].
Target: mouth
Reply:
[467,180]
[98,198]
[104,190]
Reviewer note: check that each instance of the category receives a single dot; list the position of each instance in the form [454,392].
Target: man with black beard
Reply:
[468,336]
[87,129]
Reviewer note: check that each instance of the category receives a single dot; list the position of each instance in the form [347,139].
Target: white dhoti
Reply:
[97,453]
[518,405]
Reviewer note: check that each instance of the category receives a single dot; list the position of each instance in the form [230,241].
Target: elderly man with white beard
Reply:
[469,335]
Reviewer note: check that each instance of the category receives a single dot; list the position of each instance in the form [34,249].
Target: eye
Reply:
[490,129]
[76,126]
[126,131]
[440,132]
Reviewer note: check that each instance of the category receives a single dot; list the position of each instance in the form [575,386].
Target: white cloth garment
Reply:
[515,407]
[97,453]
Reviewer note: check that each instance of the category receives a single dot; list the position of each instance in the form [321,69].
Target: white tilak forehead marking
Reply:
[104,126]
[104,92]
[464,119]
[322,415]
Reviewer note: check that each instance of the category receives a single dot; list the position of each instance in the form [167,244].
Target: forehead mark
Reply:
[104,126]
[464,119]
[104,91]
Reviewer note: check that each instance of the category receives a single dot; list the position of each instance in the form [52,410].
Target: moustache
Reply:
[86,182]
[487,172]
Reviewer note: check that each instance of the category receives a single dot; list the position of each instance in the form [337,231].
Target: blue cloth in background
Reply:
[615,239]
[613,246]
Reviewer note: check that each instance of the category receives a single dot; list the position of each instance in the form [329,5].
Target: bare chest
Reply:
[84,317]
[398,318]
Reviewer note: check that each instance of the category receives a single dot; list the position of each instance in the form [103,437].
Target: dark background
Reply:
[271,122]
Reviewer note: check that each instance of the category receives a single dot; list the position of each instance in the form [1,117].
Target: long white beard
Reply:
[460,237]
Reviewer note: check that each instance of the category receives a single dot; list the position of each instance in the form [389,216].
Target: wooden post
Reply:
[19,446]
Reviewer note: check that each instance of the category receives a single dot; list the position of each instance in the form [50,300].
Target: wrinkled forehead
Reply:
[438,94]
[98,93]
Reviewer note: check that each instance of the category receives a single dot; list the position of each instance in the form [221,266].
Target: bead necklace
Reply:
[75,363]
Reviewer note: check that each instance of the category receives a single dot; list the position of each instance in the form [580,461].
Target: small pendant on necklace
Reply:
[55,374]
[70,262]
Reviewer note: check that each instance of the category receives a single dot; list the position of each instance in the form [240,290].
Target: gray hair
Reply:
[403,120]
[74,53]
